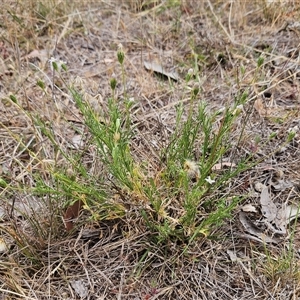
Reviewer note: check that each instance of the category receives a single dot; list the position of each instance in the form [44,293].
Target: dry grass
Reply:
[117,259]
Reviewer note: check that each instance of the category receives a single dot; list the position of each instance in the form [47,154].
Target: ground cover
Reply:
[149,149]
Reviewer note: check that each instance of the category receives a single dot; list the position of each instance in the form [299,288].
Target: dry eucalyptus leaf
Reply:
[72,214]
[280,221]
[268,207]
[77,142]
[254,230]
[275,216]
[249,208]
[154,67]
[233,257]
[291,213]
[281,185]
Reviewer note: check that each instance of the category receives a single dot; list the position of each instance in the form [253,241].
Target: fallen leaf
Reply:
[77,141]
[71,214]
[233,257]
[249,208]
[291,213]
[255,231]
[154,67]
[282,185]
[276,218]
[268,207]
[280,223]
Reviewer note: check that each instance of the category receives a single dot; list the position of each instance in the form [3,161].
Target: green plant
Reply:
[283,267]
[173,205]
[184,198]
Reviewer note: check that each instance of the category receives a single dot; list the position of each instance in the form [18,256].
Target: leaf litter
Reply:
[159,69]
[275,217]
